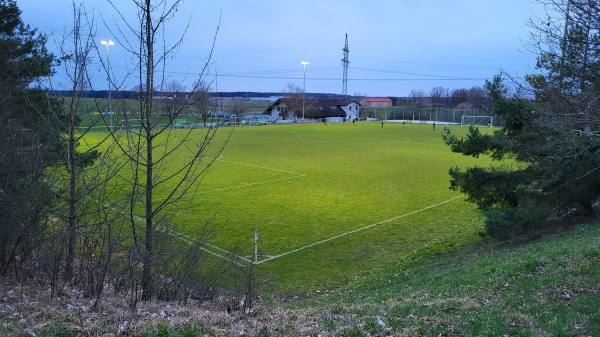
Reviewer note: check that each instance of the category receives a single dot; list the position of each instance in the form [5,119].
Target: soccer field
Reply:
[331,202]
[328,196]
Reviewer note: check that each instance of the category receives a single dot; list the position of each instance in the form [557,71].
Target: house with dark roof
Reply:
[376,102]
[317,109]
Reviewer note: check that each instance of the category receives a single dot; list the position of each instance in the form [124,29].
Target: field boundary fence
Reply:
[425,114]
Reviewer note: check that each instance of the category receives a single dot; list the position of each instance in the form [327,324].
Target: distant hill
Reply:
[129,94]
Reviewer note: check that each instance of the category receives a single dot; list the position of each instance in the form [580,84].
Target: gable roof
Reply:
[319,107]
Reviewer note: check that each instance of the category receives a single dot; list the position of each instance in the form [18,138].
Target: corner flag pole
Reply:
[255,245]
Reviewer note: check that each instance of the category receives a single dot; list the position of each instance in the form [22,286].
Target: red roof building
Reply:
[376,102]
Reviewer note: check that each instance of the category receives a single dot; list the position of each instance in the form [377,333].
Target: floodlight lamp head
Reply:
[304,62]
[108,43]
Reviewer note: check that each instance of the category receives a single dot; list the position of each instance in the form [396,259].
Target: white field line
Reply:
[388,139]
[305,136]
[190,239]
[187,239]
[262,167]
[359,229]
[249,184]
[293,175]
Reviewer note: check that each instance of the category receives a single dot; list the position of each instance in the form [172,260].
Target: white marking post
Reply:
[255,246]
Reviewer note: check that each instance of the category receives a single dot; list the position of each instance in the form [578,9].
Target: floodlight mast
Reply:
[109,43]
[304,63]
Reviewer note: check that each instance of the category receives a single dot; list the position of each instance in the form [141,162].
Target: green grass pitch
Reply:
[332,202]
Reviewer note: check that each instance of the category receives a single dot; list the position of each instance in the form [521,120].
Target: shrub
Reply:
[513,222]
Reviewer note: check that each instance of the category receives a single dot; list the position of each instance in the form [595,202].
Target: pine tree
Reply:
[553,137]
[29,141]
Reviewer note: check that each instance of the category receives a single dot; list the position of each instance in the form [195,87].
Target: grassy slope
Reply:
[548,287]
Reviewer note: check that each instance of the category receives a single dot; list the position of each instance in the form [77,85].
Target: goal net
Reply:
[477,120]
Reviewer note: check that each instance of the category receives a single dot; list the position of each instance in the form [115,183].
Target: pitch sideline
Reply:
[359,229]
[187,239]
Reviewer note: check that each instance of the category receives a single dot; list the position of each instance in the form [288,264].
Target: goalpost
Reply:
[477,120]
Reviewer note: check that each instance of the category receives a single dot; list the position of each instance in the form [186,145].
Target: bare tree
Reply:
[479,99]
[200,102]
[296,101]
[238,108]
[459,96]
[438,96]
[416,97]
[171,99]
[76,58]
[151,150]
[88,201]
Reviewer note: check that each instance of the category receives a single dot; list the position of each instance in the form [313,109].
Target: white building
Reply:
[318,109]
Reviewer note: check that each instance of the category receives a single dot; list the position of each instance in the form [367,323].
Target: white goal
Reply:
[477,120]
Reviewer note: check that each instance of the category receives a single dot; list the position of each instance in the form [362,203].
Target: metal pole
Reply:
[304,63]
[255,246]
[109,43]
[303,92]
[109,91]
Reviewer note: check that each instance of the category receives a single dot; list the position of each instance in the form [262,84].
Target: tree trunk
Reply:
[149,211]
[72,225]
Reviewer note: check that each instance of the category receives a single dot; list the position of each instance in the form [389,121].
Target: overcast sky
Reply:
[395,45]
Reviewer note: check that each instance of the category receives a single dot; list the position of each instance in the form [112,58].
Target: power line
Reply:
[256,74]
[358,79]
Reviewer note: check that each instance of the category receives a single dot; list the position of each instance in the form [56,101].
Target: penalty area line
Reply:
[293,175]
[359,229]
[186,238]
[248,184]
[262,167]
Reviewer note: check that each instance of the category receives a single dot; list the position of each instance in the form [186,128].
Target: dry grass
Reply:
[29,310]
[545,287]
